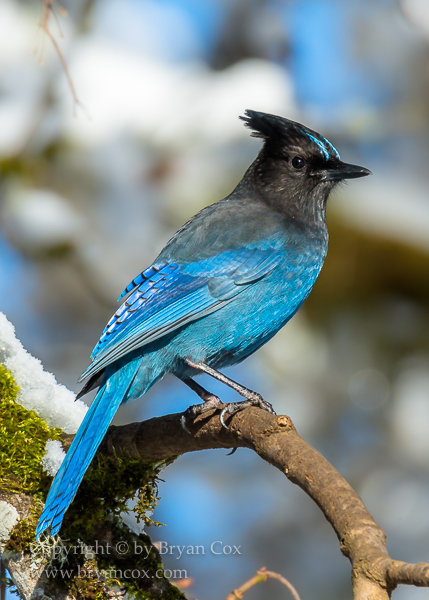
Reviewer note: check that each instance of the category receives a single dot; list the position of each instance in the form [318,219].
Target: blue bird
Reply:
[223,286]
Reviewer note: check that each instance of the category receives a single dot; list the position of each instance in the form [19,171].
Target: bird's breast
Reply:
[254,316]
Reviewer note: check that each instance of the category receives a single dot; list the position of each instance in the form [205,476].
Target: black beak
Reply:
[339,170]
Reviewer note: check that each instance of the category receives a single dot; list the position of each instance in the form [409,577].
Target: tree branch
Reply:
[275,439]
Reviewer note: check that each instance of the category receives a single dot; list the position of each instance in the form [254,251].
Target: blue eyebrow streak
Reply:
[325,146]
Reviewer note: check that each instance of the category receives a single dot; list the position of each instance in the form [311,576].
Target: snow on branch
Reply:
[39,390]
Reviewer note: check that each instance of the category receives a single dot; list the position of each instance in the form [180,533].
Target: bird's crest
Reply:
[280,131]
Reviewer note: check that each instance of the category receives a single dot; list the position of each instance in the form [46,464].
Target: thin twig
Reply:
[284,581]
[262,575]
[47,11]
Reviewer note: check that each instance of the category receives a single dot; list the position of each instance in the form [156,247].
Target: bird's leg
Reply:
[210,401]
[252,398]
[240,389]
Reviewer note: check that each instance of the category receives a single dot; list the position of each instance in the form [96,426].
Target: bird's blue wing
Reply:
[167,296]
[162,298]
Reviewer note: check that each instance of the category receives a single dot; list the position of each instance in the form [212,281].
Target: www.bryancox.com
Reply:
[86,572]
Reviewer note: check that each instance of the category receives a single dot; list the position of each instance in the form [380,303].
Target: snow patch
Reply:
[54,456]
[39,390]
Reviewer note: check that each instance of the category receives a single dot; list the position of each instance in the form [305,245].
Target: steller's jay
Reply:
[224,284]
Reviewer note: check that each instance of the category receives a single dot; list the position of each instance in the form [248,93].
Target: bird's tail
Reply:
[84,446]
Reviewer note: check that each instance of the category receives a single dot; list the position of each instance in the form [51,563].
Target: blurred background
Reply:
[92,190]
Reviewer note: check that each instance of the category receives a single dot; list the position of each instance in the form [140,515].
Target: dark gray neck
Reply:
[286,196]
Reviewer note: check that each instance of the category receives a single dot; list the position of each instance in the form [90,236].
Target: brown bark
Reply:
[374,574]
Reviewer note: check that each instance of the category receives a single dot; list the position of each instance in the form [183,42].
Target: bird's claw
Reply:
[265,406]
[226,409]
[233,407]
[233,450]
[221,416]
[213,402]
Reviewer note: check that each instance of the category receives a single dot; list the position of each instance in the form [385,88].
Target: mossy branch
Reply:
[129,459]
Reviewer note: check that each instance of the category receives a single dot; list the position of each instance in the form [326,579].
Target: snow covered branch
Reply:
[38,390]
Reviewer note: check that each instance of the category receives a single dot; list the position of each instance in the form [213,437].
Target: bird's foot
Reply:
[213,402]
[225,409]
[254,400]
[210,402]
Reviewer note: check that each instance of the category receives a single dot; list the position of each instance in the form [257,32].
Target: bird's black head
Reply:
[297,167]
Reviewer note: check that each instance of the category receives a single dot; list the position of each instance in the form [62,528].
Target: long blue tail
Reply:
[83,447]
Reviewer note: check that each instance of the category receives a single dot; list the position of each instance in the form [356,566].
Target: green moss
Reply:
[109,484]
[8,388]
[93,519]
[23,437]
[90,585]
[23,533]
[100,562]
[143,567]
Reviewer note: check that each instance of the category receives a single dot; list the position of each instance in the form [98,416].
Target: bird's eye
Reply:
[298,162]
